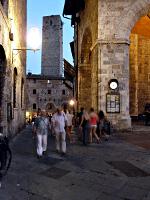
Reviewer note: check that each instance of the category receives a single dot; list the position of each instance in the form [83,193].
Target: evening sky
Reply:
[36,9]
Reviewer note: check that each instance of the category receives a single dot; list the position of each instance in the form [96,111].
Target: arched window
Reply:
[14,87]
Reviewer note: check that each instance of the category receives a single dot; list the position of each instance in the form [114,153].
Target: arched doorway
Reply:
[84,76]
[140,66]
[117,57]
[2,80]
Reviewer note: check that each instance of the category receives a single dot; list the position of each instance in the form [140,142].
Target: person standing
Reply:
[69,117]
[79,117]
[93,125]
[85,127]
[41,128]
[59,121]
[104,125]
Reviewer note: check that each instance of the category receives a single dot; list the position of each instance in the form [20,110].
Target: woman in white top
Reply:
[69,117]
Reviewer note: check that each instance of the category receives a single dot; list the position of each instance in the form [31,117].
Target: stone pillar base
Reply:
[124,123]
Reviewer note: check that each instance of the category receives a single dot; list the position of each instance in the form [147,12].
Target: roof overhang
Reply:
[72,7]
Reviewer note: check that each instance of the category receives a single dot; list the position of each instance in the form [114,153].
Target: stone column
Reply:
[114,64]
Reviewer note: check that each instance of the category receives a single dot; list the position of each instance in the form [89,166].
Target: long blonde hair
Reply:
[86,115]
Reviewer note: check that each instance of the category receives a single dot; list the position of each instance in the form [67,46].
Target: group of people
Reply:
[90,125]
[59,124]
[93,125]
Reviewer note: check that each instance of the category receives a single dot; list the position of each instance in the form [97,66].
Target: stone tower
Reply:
[52,52]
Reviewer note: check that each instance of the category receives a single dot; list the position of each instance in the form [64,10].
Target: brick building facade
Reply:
[12,65]
[109,45]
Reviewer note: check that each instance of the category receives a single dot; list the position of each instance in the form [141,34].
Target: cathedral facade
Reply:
[112,56]
[12,65]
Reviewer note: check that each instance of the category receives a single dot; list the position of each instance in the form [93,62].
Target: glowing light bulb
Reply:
[34,38]
[71,102]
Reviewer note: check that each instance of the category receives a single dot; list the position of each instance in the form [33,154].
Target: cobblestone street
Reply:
[118,169]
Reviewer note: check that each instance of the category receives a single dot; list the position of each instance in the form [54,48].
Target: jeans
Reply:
[85,131]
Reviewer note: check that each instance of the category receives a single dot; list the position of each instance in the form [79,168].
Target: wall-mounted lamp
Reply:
[20,50]
[33,40]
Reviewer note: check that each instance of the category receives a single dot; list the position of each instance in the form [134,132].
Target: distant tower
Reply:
[52,46]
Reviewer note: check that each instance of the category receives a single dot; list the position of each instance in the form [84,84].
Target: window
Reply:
[63,92]
[5,5]
[2,2]
[34,91]
[14,87]
[34,80]
[49,91]
[34,106]
[51,22]
[22,92]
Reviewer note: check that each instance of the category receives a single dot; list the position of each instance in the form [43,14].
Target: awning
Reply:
[72,7]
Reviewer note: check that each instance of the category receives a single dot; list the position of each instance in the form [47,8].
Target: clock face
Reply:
[113,85]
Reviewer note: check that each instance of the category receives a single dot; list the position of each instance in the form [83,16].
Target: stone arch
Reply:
[139,60]
[85,69]
[130,17]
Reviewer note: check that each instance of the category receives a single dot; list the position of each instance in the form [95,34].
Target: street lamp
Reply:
[33,41]
[72,104]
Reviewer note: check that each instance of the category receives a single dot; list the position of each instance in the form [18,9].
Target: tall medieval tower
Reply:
[52,51]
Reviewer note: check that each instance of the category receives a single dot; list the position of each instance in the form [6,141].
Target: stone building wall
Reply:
[13,21]
[109,28]
[134,86]
[142,82]
[49,95]
[144,71]
[52,55]
[51,88]
[87,56]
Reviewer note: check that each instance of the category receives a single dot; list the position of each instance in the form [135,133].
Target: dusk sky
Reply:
[36,10]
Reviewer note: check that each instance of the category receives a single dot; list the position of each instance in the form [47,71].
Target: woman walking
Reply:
[93,125]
